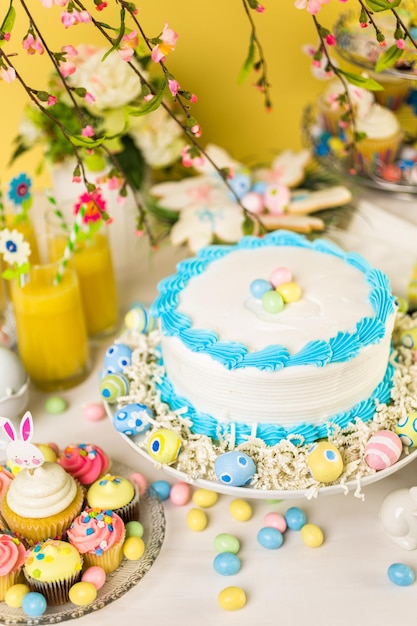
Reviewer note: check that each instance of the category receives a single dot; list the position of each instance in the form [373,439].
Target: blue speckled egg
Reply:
[113,386]
[234,468]
[270,538]
[407,429]
[117,357]
[226,563]
[132,419]
[401,574]
[409,338]
[240,183]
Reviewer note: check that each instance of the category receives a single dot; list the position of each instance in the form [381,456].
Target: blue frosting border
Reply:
[235,355]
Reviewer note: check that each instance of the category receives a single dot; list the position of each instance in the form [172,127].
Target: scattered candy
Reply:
[95,575]
[164,446]
[275,520]
[401,574]
[232,599]
[234,468]
[270,538]
[226,543]
[15,594]
[240,510]
[140,481]
[383,449]
[133,418]
[295,518]
[290,292]
[407,429]
[161,488]
[133,548]
[113,386]
[180,493]
[117,357]
[55,405]
[82,593]
[134,529]
[272,302]
[312,535]
[325,462]
[196,520]
[33,604]
[94,412]
[280,275]
[205,498]
[280,290]
[226,563]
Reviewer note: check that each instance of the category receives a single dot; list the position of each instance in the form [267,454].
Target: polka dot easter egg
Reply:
[383,450]
[407,429]
[117,357]
[234,468]
[325,462]
[133,419]
[164,446]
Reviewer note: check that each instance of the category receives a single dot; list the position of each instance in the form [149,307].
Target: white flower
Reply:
[112,81]
[29,132]
[13,247]
[159,138]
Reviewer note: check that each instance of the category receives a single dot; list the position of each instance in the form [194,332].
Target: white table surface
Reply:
[343,582]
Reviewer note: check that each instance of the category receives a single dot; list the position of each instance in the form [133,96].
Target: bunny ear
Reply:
[8,428]
[26,426]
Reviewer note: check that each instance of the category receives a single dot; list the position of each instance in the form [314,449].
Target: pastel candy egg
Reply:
[161,488]
[240,183]
[139,319]
[55,405]
[312,535]
[140,481]
[226,563]
[408,338]
[234,468]
[272,302]
[164,446]
[276,520]
[224,542]
[253,202]
[401,574]
[134,529]
[258,287]
[133,548]
[290,292]
[406,429]
[196,520]
[280,275]
[241,510]
[232,599]
[133,418]
[95,575]
[113,386]
[295,518]
[94,412]
[117,357]
[15,594]
[205,498]
[180,493]
[82,593]
[383,450]
[34,604]
[270,538]
[325,462]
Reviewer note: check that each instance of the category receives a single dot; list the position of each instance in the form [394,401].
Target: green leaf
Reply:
[248,226]
[361,81]
[148,106]
[8,21]
[248,64]
[119,36]
[86,142]
[388,58]
[382,5]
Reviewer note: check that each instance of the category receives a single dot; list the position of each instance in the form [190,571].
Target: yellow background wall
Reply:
[212,45]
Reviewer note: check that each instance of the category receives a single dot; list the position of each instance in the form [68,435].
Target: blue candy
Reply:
[295,518]
[401,574]
[240,183]
[133,419]
[34,604]
[270,538]
[117,357]
[161,488]
[258,287]
[226,563]
[234,468]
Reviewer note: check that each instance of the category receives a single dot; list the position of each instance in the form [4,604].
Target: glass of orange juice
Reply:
[51,332]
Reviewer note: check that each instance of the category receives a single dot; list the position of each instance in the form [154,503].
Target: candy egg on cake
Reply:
[383,450]
[133,418]
[234,468]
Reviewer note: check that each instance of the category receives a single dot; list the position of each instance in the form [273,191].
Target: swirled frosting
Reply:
[96,531]
[12,554]
[46,491]
[53,560]
[84,461]
[5,479]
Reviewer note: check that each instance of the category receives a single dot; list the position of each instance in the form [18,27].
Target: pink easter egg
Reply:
[279,276]
[94,412]
[275,520]
[180,493]
[140,481]
[253,202]
[95,575]
[383,450]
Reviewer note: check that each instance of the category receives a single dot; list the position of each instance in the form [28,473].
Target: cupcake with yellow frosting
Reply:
[12,558]
[51,568]
[115,493]
[40,504]
[98,535]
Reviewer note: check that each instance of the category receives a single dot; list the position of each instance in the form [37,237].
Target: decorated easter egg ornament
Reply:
[383,450]
[164,446]
[133,418]
[117,357]
[325,462]
[139,319]
[408,338]
[234,468]
[406,429]
[113,386]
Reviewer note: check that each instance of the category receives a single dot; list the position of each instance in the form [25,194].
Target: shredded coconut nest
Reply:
[284,465]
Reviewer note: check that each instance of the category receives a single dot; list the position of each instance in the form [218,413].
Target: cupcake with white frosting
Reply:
[333,104]
[41,503]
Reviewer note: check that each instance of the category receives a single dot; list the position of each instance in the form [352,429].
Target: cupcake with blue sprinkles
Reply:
[115,493]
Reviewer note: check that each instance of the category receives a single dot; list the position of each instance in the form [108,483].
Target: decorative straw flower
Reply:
[14,248]
[19,189]
[94,206]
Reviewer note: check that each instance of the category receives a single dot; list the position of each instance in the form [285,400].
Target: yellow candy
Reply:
[205,498]
[325,462]
[48,453]
[133,548]
[240,510]
[312,535]
[82,593]
[15,594]
[196,520]
[164,446]
[290,292]
[232,598]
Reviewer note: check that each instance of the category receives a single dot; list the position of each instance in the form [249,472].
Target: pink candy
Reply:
[94,412]
[276,520]
[180,493]
[95,575]
[279,276]
[140,481]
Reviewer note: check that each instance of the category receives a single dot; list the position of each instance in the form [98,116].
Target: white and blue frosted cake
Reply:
[244,372]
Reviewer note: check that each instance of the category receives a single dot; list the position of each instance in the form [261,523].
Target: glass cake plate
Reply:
[129,574]
[262,494]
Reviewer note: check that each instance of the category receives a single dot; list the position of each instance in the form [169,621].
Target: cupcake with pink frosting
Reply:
[98,535]
[84,461]
[6,478]
[12,558]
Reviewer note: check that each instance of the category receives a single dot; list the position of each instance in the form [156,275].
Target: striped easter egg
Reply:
[383,450]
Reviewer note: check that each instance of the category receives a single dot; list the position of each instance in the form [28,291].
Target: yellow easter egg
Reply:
[133,548]
[290,292]
[196,520]
[408,338]
[48,454]
[205,498]
[325,462]
[15,594]
[312,535]
[82,593]
[406,429]
[240,510]
[164,446]
[232,598]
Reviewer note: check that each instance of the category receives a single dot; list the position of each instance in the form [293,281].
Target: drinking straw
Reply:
[2,213]
[72,240]
[53,204]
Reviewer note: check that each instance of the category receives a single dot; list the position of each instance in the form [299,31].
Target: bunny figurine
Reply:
[398,514]
[20,451]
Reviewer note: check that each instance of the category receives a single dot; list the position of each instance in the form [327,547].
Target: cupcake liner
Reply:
[372,154]
[8,580]
[130,512]
[57,591]
[34,530]
[108,560]
[393,94]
